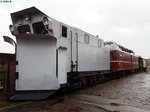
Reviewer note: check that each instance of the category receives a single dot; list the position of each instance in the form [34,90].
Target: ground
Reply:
[127,94]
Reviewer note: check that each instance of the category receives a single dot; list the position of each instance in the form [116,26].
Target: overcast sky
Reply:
[126,22]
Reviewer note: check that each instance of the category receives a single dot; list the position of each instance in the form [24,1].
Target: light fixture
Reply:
[45,21]
[12,29]
[27,17]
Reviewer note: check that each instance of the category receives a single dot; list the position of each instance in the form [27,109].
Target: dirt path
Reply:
[127,94]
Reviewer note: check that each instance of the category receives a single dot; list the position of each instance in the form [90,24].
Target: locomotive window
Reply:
[86,39]
[120,57]
[64,31]
[24,29]
[39,28]
[99,43]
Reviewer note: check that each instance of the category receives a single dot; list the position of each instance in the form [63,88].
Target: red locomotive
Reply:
[121,58]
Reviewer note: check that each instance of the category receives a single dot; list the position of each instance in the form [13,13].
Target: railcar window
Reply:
[39,28]
[99,43]
[86,38]
[24,29]
[120,57]
[64,31]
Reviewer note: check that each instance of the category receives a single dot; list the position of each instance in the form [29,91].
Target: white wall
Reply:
[36,63]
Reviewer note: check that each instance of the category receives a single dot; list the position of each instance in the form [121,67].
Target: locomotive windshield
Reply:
[24,29]
[39,28]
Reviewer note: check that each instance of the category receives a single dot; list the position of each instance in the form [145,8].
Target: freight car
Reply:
[7,67]
[51,55]
[142,64]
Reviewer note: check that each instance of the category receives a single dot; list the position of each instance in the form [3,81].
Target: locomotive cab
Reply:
[31,21]
[35,55]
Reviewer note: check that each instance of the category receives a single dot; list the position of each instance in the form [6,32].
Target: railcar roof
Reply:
[122,48]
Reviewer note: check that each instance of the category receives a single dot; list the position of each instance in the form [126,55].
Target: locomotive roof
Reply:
[122,48]
[31,10]
[34,10]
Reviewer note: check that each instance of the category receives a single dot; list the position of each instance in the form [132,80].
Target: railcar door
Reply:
[74,51]
[62,65]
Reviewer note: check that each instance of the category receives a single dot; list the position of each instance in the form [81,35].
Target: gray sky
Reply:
[126,22]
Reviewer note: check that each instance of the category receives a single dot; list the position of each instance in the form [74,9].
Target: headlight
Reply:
[45,21]
[12,29]
[27,17]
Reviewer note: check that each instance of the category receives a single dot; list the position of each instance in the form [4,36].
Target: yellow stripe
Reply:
[120,61]
[116,61]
